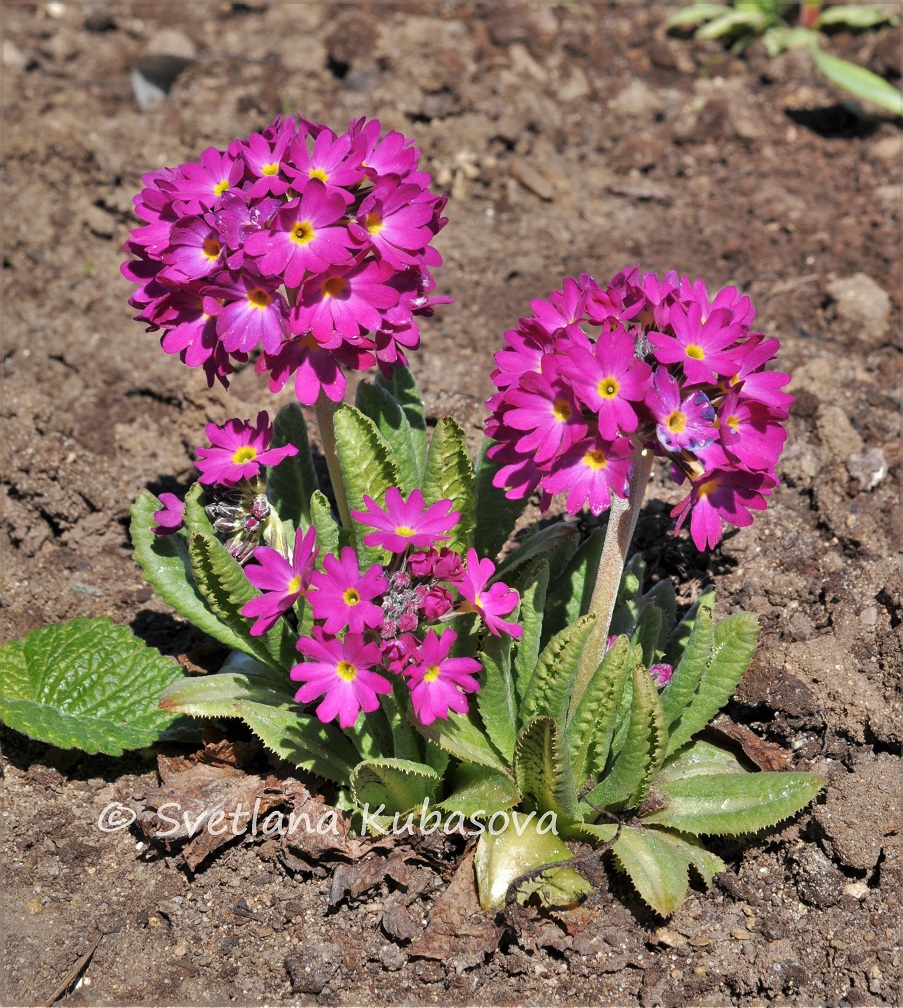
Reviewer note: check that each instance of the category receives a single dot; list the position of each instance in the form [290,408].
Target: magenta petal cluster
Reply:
[439,683]
[237,450]
[281,581]
[403,523]
[310,246]
[597,375]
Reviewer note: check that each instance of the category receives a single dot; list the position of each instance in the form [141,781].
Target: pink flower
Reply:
[342,596]
[238,450]
[545,410]
[590,472]
[680,423]
[725,494]
[281,581]
[171,517]
[258,315]
[439,683]
[202,185]
[700,344]
[491,603]
[393,222]
[405,523]
[342,673]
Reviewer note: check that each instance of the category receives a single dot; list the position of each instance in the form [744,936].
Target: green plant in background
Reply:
[773,21]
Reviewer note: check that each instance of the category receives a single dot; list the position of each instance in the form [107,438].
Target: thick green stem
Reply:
[325,411]
[622,519]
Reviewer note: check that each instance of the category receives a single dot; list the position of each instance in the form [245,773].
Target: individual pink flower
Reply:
[393,222]
[661,674]
[332,161]
[343,597]
[265,157]
[590,472]
[195,250]
[403,523]
[171,517]
[543,408]
[237,451]
[680,423]
[438,683]
[341,671]
[723,495]
[750,433]
[258,315]
[203,184]
[700,344]
[281,581]
[490,602]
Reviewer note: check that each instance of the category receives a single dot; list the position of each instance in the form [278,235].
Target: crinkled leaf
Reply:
[85,684]
[542,769]
[402,386]
[731,803]
[462,738]
[646,632]
[398,784]
[549,689]
[662,596]
[480,791]
[531,616]
[214,696]
[732,653]
[377,403]
[331,537]
[449,475]
[367,469]
[573,589]
[644,748]
[497,699]
[698,758]
[689,650]
[496,514]
[291,483]
[858,81]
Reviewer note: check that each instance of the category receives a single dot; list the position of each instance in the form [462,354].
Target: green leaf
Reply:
[462,738]
[662,596]
[858,81]
[531,617]
[449,475]
[854,16]
[698,758]
[397,784]
[331,536]
[657,863]
[549,689]
[225,587]
[555,543]
[291,483]
[542,769]
[732,653]
[406,741]
[628,601]
[497,700]
[731,803]
[689,650]
[85,684]
[368,469]
[643,751]
[735,22]
[694,14]
[496,514]
[573,589]
[647,631]
[479,791]
[590,730]
[402,386]
[377,403]
[214,696]
[166,566]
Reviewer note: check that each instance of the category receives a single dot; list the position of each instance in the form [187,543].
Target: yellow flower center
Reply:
[221,187]
[608,388]
[696,352]
[708,487]
[319,173]
[561,410]
[595,459]
[733,422]
[431,674]
[351,597]
[211,249]
[345,670]
[676,422]
[244,454]
[294,586]
[302,233]
[335,287]
[404,530]
[271,169]
[374,223]
[259,298]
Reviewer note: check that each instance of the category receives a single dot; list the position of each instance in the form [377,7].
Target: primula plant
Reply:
[398,643]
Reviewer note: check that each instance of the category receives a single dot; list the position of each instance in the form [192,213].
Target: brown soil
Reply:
[572,137]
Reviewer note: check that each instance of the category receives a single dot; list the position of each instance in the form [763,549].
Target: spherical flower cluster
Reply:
[381,622]
[596,375]
[311,247]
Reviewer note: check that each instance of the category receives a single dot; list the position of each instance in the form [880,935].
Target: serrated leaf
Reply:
[662,596]
[858,81]
[646,633]
[497,699]
[377,403]
[531,616]
[226,588]
[689,650]
[331,537]
[462,738]
[449,475]
[732,653]
[698,758]
[402,386]
[590,729]
[166,566]
[657,864]
[214,696]
[732,803]
[480,791]
[542,769]
[85,684]
[367,469]
[573,589]
[496,514]
[549,689]
[398,784]
[643,751]
[291,483]
[555,544]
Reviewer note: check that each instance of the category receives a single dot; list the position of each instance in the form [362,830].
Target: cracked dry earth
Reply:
[571,137]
